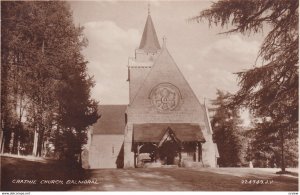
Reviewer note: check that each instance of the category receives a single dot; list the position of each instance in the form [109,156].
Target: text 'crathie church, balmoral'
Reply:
[164,123]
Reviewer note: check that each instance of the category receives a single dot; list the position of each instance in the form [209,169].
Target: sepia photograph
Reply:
[157,95]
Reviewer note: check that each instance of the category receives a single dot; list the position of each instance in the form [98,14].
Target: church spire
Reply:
[149,41]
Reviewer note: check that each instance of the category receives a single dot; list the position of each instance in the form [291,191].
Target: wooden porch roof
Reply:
[153,132]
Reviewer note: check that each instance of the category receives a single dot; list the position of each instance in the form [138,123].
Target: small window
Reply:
[113,150]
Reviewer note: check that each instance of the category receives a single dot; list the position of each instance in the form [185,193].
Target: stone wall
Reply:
[104,151]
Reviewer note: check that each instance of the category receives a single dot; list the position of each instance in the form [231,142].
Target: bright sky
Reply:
[206,59]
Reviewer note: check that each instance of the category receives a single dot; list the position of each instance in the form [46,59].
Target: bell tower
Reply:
[145,55]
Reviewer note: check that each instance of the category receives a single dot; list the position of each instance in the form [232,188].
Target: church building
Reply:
[164,123]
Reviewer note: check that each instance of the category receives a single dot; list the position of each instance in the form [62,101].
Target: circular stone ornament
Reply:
[165,97]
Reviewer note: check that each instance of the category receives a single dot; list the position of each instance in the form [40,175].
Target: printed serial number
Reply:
[293,193]
[257,181]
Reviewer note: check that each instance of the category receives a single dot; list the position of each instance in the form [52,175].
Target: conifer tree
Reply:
[44,76]
[227,131]
[270,89]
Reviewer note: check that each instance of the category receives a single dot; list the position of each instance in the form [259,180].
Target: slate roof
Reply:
[149,41]
[153,132]
[112,120]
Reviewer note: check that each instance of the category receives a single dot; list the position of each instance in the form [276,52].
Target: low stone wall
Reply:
[186,163]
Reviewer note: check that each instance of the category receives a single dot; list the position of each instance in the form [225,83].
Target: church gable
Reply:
[165,89]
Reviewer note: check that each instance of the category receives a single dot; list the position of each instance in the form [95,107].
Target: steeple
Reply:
[149,42]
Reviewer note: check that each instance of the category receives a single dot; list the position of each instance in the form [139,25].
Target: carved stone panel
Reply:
[165,97]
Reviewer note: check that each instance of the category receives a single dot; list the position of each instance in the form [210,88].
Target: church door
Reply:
[168,151]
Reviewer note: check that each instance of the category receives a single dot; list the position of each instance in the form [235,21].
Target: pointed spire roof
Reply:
[149,40]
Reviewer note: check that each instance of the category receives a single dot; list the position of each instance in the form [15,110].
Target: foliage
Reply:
[227,131]
[45,89]
[263,147]
[270,90]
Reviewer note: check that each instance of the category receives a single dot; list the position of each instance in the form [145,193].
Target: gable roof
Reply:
[165,70]
[149,41]
[112,120]
[154,132]
[169,134]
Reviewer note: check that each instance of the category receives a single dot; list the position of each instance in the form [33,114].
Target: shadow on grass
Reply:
[212,180]
[185,179]
[287,173]
[148,179]
[13,169]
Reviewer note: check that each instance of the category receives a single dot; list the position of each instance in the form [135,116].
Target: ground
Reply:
[147,179]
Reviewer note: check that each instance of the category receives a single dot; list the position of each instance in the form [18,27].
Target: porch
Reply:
[168,145]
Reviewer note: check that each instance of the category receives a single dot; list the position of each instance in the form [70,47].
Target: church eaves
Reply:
[149,41]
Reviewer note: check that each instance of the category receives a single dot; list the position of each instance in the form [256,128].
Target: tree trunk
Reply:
[19,145]
[80,158]
[20,125]
[4,101]
[15,142]
[40,143]
[282,151]
[2,141]
[35,141]
[57,150]
[6,141]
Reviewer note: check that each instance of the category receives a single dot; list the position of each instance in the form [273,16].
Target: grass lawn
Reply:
[148,179]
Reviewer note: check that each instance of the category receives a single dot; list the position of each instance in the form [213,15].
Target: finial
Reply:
[149,8]
[164,41]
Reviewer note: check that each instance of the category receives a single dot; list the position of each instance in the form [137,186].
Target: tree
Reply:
[270,90]
[77,110]
[226,126]
[44,68]
[264,146]
[12,69]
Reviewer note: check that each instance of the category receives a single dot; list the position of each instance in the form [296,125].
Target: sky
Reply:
[206,58]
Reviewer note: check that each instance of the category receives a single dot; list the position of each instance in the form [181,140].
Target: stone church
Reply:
[164,123]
